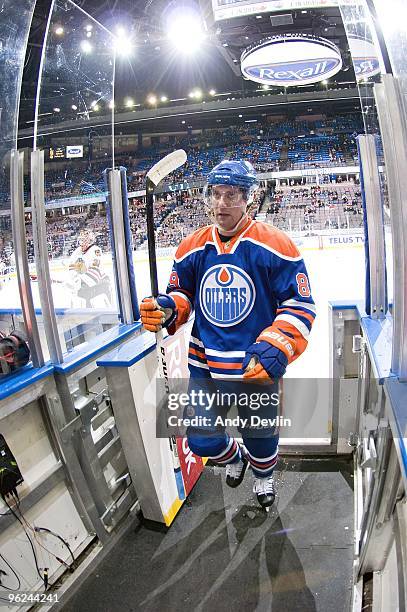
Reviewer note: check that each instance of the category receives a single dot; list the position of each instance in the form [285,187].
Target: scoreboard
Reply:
[57,152]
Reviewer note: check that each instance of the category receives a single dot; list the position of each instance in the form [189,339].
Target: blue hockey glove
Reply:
[158,312]
[264,361]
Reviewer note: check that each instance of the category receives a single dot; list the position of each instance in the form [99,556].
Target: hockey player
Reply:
[249,287]
[88,281]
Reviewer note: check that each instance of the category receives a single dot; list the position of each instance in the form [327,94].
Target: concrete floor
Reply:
[224,553]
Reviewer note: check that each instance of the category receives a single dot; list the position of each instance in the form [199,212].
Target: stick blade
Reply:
[166,165]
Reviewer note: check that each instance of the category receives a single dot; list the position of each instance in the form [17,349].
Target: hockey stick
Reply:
[155,175]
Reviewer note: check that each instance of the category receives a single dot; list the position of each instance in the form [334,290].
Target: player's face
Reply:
[228,205]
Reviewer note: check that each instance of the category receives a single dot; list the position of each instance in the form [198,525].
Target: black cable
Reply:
[15,574]
[56,535]
[28,538]
[45,529]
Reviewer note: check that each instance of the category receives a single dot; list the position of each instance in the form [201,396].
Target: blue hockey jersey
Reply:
[255,286]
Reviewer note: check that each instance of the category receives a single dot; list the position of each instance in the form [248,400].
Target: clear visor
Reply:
[227,196]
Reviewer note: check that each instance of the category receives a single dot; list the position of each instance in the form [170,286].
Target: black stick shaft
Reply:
[152,256]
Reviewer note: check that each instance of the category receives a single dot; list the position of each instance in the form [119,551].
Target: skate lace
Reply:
[264,486]
[234,469]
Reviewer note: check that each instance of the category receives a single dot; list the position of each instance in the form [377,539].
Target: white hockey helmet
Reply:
[86,238]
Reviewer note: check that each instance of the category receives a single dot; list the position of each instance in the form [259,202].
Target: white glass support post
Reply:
[41,256]
[374,217]
[393,126]
[119,238]
[20,251]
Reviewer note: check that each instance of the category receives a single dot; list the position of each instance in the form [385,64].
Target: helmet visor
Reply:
[226,196]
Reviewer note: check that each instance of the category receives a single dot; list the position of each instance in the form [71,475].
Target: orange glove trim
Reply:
[258,372]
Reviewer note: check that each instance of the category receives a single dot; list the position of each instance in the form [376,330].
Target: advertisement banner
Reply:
[73,151]
[174,365]
[191,464]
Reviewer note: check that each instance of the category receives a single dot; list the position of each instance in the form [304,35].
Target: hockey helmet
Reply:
[86,238]
[239,175]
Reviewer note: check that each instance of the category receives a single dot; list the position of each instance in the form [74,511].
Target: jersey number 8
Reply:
[303,285]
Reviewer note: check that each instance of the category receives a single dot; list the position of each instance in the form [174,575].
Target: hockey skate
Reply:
[265,491]
[235,472]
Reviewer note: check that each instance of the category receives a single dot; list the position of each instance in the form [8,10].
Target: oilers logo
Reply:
[226,295]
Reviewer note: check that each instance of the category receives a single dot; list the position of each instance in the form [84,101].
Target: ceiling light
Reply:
[89,27]
[129,103]
[74,107]
[111,104]
[212,92]
[57,110]
[152,99]
[240,116]
[96,107]
[183,122]
[164,99]
[122,43]
[86,47]
[59,30]
[259,16]
[185,31]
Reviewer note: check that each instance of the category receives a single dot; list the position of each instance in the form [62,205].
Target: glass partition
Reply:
[15,24]
[76,85]
[369,65]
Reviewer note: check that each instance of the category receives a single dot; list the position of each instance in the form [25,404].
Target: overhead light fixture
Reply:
[122,43]
[212,92]
[89,27]
[152,99]
[59,30]
[74,107]
[183,122]
[164,99]
[96,107]
[196,93]
[259,16]
[86,47]
[240,116]
[129,103]
[57,110]
[185,30]
[111,104]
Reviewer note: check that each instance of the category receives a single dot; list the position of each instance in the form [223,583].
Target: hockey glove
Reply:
[158,312]
[265,361]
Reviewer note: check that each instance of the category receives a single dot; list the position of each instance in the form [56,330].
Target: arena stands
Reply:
[319,207]
[269,146]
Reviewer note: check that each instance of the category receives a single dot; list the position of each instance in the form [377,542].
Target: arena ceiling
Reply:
[156,68]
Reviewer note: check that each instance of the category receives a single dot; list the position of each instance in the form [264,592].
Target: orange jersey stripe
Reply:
[224,366]
[302,313]
[197,353]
